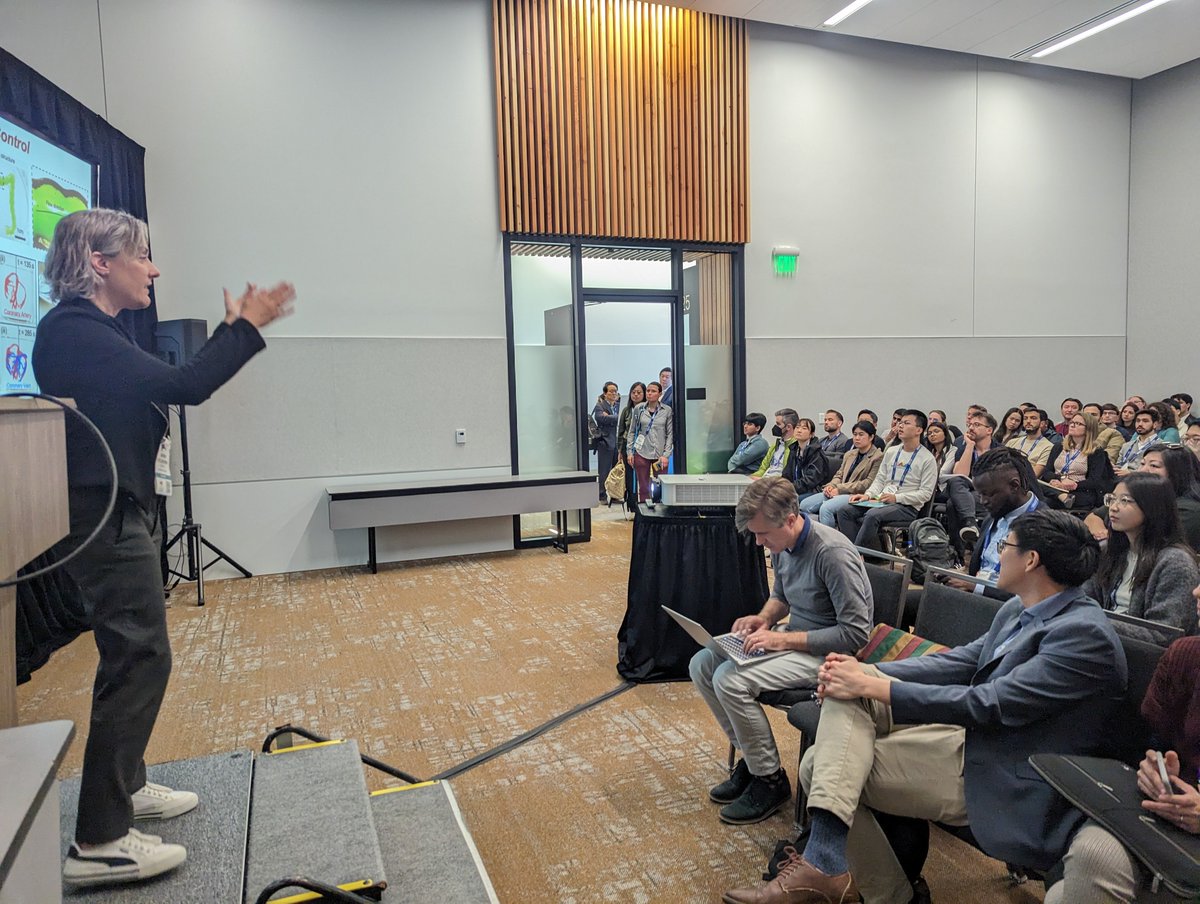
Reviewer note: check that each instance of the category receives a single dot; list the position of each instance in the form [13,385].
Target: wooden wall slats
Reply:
[622,119]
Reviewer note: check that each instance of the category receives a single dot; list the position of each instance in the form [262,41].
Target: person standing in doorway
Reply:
[665,379]
[651,438]
[606,413]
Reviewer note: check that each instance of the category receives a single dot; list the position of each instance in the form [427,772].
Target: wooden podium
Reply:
[33,513]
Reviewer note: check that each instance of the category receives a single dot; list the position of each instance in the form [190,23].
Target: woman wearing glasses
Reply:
[1146,570]
[1080,468]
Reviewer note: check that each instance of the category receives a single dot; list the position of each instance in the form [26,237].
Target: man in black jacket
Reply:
[98,265]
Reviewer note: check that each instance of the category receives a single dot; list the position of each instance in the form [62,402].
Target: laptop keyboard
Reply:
[732,645]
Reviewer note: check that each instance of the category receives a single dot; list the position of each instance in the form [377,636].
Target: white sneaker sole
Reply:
[185,803]
[84,873]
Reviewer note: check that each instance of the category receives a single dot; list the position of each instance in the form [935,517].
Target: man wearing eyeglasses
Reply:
[1191,439]
[947,737]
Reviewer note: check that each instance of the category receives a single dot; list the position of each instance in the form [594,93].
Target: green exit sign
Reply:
[784,259]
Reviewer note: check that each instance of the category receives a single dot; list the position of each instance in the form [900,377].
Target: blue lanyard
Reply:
[907,467]
[1035,442]
[653,415]
[1132,453]
[1070,458]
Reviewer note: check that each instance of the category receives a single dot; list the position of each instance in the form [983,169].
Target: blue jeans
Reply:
[826,510]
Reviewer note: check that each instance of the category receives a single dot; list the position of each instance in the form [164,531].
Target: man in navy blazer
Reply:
[947,737]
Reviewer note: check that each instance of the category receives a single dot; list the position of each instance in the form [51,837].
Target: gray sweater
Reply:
[656,426]
[824,585]
[1166,597]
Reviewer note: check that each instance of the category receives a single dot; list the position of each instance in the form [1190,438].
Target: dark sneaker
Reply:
[763,797]
[969,536]
[921,893]
[733,787]
[128,859]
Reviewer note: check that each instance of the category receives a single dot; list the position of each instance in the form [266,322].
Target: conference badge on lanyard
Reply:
[162,467]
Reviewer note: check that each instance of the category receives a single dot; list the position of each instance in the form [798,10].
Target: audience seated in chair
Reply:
[834,439]
[1167,420]
[821,587]
[1003,480]
[1012,424]
[1032,443]
[1191,439]
[807,468]
[936,415]
[868,415]
[1069,408]
[947,737]
[1048,428]
[1098,867]
[940,441]
[905,483]
[963,506]
[859,467]
[1079,469]
[1146,570]
[1145,434]
[750,451]
[1186,418]
[1108,439]
[1182,470]
[781,451]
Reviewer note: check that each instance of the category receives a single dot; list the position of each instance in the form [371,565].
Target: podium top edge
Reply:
[22,406]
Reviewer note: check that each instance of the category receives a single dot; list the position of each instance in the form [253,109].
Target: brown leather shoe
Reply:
[798,882]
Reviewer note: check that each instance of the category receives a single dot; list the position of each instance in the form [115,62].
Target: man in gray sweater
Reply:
[821,588]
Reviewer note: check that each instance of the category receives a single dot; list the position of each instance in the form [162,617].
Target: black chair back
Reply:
[954,617]
[1130,736]
[887,590]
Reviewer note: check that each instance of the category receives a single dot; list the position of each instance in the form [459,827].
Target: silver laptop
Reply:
[727,646]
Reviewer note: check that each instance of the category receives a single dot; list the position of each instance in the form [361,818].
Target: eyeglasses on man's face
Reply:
[1112,500]
[1004,544]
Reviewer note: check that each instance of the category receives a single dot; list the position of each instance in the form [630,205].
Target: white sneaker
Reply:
[128,859]
[160,802]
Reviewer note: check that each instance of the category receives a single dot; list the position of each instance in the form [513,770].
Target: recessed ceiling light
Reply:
[849,11]
[1096,29]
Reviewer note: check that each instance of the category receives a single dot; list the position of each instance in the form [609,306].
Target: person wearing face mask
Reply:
[781,451]
[750,451]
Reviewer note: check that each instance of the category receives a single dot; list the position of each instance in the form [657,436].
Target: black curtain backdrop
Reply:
[50,611]
[701,567]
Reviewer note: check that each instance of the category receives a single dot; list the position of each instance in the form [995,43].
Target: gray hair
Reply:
[791,417]
[772,497]
[81,234]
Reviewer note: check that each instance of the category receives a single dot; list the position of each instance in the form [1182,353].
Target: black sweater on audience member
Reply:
[1099,479]
[84,354]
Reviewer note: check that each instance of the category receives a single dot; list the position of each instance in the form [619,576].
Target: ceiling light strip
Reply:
[1096,29]
[846,13]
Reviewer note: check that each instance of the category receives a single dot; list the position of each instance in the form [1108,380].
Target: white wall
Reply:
[955,215]
[1164,226]
[963,224]
[349,148]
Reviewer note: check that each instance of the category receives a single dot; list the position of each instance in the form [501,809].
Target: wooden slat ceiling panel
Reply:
[620,119]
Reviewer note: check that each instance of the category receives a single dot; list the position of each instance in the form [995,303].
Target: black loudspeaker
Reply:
[176,341]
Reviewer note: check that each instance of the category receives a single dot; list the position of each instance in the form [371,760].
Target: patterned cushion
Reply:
[887,643]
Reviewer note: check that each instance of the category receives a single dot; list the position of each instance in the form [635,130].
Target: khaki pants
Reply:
[860,760]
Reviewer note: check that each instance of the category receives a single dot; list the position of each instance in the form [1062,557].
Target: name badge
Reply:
[890,490]
[639,442]
[162,467]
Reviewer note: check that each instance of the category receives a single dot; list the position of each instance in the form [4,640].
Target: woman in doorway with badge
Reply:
[651,438]
[98,265]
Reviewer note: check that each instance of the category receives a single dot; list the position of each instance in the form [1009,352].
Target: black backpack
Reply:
[928,544]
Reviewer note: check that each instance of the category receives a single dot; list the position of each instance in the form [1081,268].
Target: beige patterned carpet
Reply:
[430,663]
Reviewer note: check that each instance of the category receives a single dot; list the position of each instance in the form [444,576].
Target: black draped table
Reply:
[697,564]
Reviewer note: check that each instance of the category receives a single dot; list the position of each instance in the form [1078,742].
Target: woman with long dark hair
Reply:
[938,440]
[1010,426]
[1146,570]
[1182,470]
[1128,415]
[637,395]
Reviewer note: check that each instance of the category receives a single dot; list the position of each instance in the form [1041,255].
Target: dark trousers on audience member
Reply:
[963,507]
[121,580]
[641,467]
[862,524]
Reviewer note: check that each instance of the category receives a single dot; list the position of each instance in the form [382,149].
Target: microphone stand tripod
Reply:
[189,531]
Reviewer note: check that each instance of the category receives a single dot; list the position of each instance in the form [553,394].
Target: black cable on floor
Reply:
[500,749]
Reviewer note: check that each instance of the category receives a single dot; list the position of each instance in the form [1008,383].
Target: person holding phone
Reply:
[1100,868]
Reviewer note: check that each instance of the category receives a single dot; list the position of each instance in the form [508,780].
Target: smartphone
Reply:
[1162,772]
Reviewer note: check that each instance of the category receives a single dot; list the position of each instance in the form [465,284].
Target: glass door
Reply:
[709,413]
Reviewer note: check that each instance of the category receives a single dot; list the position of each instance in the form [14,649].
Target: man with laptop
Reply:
[821,588]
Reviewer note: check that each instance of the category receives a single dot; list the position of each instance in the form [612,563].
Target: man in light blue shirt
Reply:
[1003,478]
[750,451]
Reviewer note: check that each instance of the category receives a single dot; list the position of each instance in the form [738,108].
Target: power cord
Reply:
[112,493]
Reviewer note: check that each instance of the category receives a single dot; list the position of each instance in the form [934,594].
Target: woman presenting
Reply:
[98,265]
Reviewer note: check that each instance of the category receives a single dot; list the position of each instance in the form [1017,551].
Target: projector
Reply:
[703,489]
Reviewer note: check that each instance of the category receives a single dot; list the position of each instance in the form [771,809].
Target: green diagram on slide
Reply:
[9,181]
[51,202]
